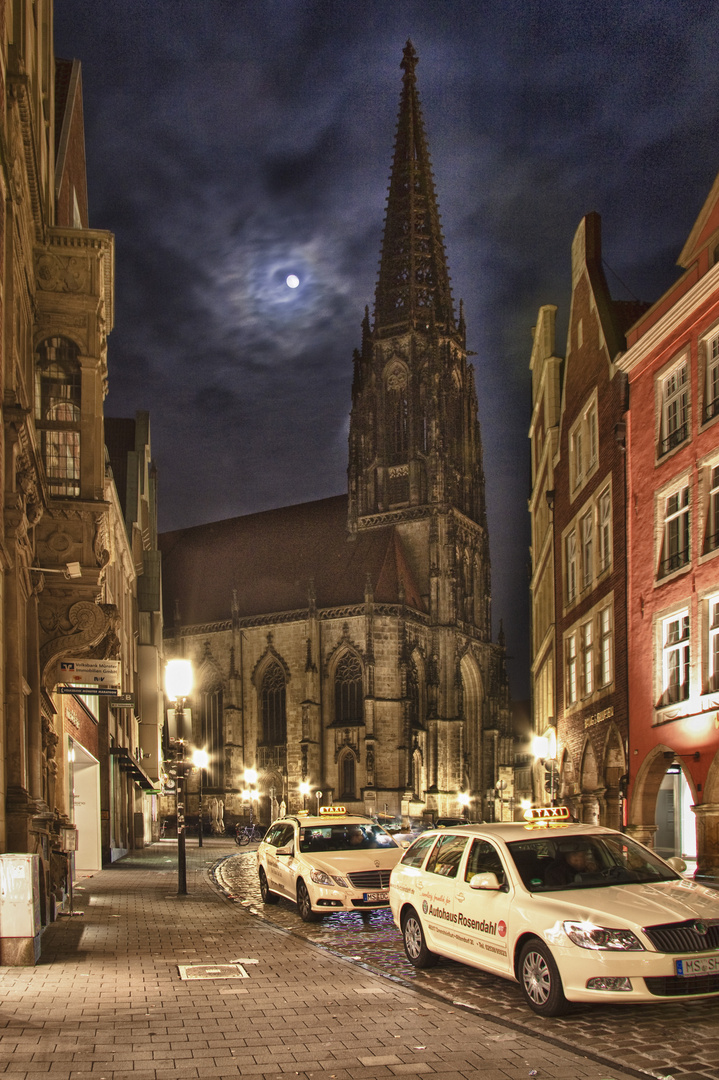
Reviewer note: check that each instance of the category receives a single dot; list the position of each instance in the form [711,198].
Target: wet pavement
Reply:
[678,1039]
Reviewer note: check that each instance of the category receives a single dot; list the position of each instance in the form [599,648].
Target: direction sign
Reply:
[88,672]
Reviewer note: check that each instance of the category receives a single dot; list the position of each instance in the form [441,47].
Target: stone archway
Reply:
[643,805]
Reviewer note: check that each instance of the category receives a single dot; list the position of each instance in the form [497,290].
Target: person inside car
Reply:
[570,863]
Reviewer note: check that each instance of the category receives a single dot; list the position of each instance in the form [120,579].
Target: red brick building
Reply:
[579,644]
[672,362]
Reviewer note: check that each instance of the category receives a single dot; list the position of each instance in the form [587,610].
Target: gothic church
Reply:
[342,648]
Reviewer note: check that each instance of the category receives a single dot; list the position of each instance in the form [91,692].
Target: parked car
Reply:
[330,862]
[571,912]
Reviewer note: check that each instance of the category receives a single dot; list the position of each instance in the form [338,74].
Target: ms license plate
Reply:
[375,897]
[698,965]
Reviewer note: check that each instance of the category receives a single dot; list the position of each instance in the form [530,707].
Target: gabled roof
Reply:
[704,228]
[275,559]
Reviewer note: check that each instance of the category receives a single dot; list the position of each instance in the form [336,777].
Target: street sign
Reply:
[123,701]
[88,672]
[92,691]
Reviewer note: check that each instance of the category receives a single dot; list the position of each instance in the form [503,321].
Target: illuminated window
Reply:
[587,550]
[571,564]
[584,445]
[675,408]
[587,659]
[711,541]
[57,411]
[675,660]
[675,545]
[571,668]
[604,538]
[714,644]
[711,390]
[605,647]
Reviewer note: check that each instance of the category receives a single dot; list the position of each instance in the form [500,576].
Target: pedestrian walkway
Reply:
[107,1000]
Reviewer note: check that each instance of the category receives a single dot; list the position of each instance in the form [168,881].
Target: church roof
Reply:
[273,559]
[413,286]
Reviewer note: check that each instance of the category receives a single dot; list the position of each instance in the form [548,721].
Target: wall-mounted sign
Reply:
[123,701]
[88,672]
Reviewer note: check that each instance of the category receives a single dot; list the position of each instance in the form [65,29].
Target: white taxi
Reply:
[330,862]
[571,912]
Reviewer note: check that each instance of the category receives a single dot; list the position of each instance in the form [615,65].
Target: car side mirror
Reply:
[677,864]
[288,849]
[487,880]
[404,843]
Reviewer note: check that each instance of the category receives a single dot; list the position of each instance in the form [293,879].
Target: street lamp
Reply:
[544,748]
[178,684]
[318,796]
[200,759]
[251,780]
[304,792]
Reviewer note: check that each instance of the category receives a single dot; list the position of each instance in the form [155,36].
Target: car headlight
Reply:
[321,878]
[589,936]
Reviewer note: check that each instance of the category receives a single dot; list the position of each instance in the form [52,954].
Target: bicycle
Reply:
[247,834]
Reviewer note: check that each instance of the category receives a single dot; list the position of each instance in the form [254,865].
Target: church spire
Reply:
[413,277]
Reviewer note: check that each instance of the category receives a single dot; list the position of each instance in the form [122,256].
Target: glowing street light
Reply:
[178,684]
[250,777]
[463,800]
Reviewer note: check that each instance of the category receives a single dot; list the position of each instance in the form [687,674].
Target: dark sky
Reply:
[233,142]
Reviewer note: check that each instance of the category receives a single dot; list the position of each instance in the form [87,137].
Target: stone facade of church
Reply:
[343,648]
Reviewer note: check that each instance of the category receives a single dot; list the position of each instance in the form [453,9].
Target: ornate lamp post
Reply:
[178,684]
[200,759]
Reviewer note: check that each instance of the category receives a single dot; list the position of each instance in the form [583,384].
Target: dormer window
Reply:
[57,412]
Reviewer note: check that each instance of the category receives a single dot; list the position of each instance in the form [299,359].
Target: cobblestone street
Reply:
[680,1040]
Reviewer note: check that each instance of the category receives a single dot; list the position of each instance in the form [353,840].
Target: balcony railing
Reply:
[674,438]
[711,409]
[674,562]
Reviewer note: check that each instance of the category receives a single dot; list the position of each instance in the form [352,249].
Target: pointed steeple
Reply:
[413,277]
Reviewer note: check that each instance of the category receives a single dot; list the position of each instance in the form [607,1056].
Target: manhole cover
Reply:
[212,971]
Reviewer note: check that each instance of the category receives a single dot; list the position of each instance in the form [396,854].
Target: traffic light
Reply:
[551,777]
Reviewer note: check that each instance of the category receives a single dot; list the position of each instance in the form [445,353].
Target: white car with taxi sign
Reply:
[333,861]
[571,912]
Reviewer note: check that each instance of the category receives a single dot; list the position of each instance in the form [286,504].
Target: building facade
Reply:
[344,647]
[579,642]
[672,363]
[61,597]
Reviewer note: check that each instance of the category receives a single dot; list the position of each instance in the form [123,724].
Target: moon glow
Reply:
[292,281]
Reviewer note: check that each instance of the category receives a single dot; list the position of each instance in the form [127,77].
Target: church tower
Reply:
[415,451]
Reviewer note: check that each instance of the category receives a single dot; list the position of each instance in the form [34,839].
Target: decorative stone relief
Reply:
[77,630]
[65,273]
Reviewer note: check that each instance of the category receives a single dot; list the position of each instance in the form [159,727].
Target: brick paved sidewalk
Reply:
[106,1001]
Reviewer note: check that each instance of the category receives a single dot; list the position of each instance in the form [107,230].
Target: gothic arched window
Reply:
[212,736]
[349,699]
[397,417]
[347,777]
[57,411]
[272,704]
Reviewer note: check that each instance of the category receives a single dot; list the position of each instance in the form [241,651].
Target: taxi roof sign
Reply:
[547,815]
[325,810]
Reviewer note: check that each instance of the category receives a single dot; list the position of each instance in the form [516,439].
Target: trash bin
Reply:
[19,909]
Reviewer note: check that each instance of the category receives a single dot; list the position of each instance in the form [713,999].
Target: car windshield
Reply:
[588,861]
[346,837]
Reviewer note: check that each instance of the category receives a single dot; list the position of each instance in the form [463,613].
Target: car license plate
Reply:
[698,965]
[375,897]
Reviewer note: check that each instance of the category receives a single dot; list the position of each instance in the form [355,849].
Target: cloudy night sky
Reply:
[231,143]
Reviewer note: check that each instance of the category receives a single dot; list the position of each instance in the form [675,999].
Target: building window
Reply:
[348,788]
[713,644]
[711,541]
[587,660]
[57,411]
[675,666]
[272,703]
[675,541]
[583,446]
[711,393]
[605,647]
[675,408]
[571,557]
[571,655]
[349,700]
[397,417]
[604,538]
[587,550]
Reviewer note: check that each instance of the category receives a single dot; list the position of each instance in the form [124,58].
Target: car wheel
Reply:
[540,980]
[268,897]
[415,945]
[304,904]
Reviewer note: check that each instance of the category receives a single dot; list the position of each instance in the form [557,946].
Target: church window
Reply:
[212,737]
[57,411]
[273,705]
[398,423]
[347,779]
[349,701]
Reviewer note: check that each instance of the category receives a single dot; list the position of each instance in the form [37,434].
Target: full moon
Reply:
[293,281]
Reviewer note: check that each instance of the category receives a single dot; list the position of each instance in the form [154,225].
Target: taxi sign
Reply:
[332,810]
[547,817]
